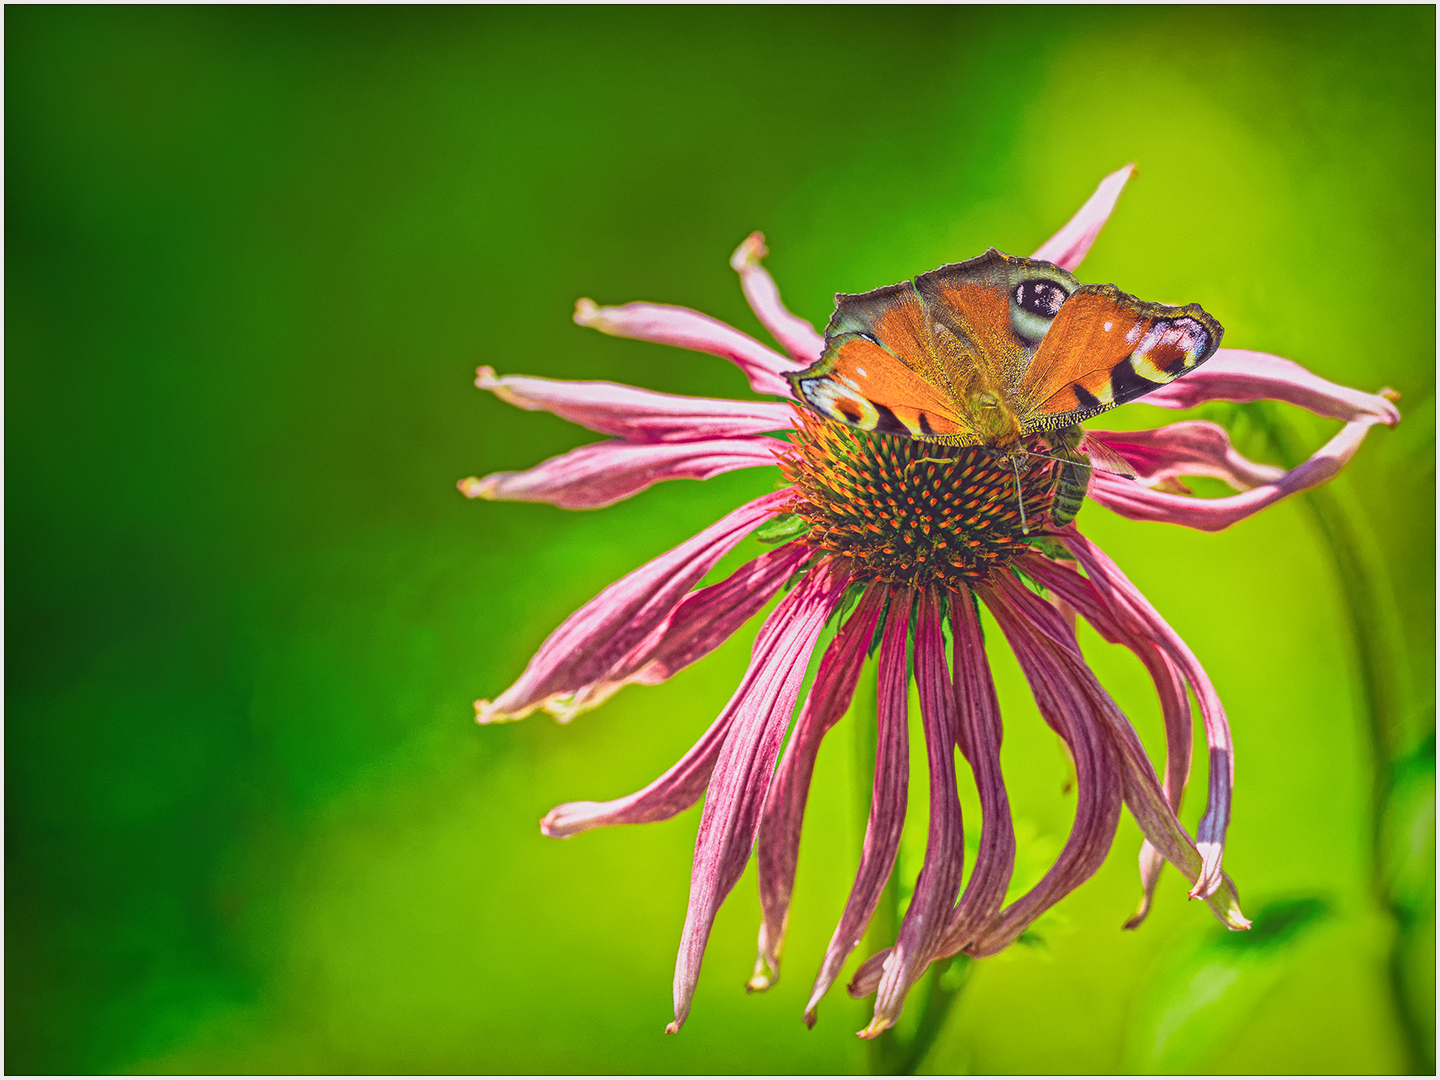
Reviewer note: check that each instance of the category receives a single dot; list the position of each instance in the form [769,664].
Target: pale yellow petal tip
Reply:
[1390,394]
[672,1027]
[766,975]
[1206,887]
[485,377]
[486,713]
[586,311]
[750,252]
[473,487]
[874,1028]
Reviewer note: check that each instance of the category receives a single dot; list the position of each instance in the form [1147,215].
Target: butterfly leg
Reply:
[921,460]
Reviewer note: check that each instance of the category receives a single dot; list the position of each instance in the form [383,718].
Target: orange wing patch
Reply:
[1106,348]
[860,383]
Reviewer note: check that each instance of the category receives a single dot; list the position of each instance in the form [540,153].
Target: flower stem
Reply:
[1375,651]
[943,986]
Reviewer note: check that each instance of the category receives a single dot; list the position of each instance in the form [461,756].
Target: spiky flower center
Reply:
[876,500]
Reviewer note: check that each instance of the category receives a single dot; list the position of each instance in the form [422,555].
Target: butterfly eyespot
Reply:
[1033,306]
[1040,297]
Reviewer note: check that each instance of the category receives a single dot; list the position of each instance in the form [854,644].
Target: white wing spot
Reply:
[1108,325]
[862,372]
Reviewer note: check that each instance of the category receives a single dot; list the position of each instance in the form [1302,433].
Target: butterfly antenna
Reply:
[1020,498]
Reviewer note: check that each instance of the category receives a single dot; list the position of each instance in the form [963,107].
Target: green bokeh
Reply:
[253,257]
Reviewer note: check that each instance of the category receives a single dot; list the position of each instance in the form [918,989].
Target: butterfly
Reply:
[990,351]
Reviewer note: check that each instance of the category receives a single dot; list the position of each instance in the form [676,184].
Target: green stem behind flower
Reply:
[1383,705]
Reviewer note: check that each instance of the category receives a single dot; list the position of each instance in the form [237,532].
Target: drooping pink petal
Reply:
[980,731]
[1060,679]
[1189,448]
[1127,602]
[1071,244]
[779,845]
[926,918]
[887,802]
[590,642]
[981,723]
[763,707]
[669,325]
[683,783]
[1079,595]
[702,621]
[1243,375]
[796,335]
[1098,781]
[602,474]
[638,415]
[678,789]
[1131,500]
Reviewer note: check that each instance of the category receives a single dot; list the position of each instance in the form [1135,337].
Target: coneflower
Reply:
[897,544]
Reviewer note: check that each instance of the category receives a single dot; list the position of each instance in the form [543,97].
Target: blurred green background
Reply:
[253,258]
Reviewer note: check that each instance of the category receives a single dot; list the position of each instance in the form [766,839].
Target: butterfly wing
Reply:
[906,359]
[1105,348]
[996,309]
[879,371]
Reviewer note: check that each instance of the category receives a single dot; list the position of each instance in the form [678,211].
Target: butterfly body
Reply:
[1072,474]
[994,350]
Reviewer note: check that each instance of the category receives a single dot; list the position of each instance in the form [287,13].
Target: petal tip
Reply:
[809,1019]
[672,1028]
[473,487]
[586,311]
[485,377]
[767,974]
[751,250]
[874,1028]
[1133,923]
[487,713]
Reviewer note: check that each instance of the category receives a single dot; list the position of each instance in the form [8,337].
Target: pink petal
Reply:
[703,620]
[980,722]
[590,642]
[638,415]
[688,329]
[1131,500]
[1127,603]
[1189,448]
[1242,375]
[1047,652]
[887,802]
[1098,775]
[678,789]
[979,739]
[763,707]
[1079,595]
[682,785]
[779,845]
[1071,244]
[796,335]
[602,474]
[926,918]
